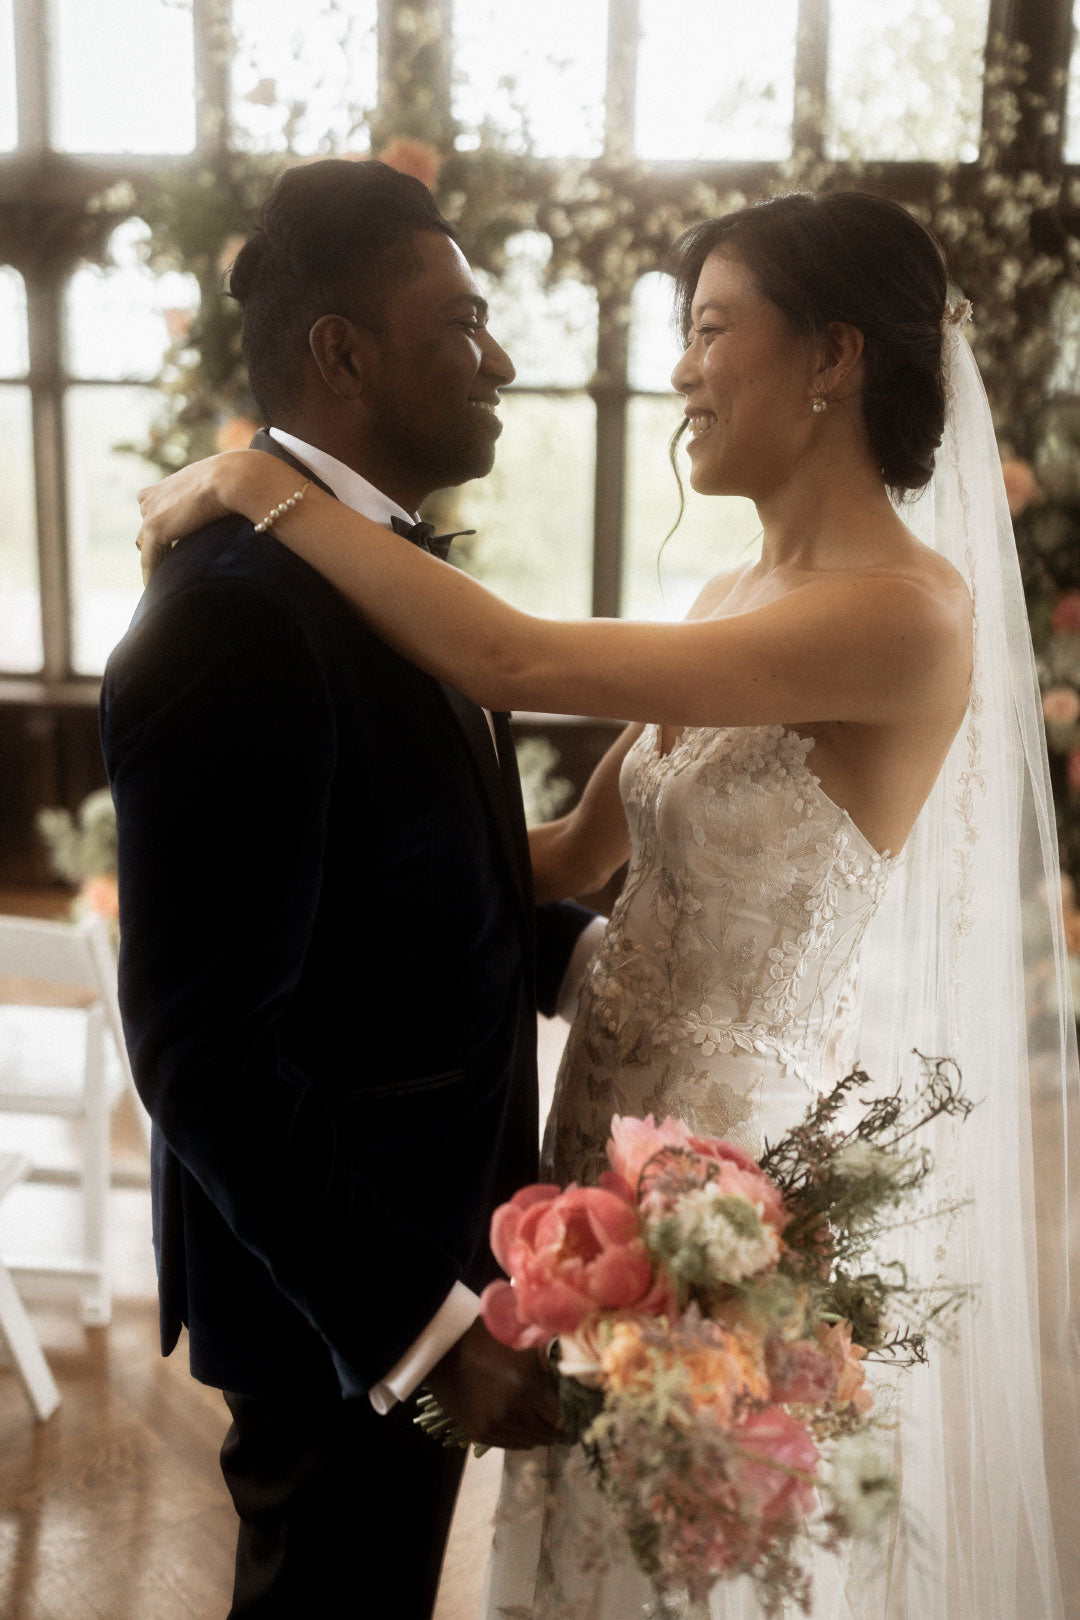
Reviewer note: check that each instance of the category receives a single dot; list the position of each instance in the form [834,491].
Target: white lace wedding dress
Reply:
[718,995]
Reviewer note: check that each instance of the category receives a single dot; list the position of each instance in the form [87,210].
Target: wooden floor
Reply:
[115,1509]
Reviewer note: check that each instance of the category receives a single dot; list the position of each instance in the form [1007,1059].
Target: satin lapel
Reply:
[502,789]
[515,805]
[474,728]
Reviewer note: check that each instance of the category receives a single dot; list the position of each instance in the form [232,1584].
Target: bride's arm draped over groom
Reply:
[836,749]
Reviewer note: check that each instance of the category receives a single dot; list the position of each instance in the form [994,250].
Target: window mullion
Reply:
[624,40]
[415,50]
[609,393]
[211,22]
[811,77]
[1043,29]
[32,75]
[44,307]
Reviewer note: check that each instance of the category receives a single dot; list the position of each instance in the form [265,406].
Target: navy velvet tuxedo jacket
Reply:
[326,970]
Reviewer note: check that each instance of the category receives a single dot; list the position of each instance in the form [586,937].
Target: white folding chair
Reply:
[15,1326]
[62,1053]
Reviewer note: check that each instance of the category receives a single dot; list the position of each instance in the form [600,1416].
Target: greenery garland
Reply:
[1012,235]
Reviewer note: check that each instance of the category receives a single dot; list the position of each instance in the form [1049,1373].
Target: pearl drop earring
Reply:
[818,405]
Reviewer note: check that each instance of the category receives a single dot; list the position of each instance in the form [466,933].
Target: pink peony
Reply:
[771,1443]
[634,1142]
[1066,614]
[570,1255]
[1061,705]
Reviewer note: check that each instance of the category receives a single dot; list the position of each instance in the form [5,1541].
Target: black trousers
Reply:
[343,1513]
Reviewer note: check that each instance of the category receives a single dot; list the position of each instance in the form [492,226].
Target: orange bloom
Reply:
[717,1375]
[626,1361]
[851,1389]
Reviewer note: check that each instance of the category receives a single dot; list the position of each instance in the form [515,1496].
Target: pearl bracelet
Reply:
[279,511]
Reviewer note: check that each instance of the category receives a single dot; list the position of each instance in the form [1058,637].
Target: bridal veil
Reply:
[967,960]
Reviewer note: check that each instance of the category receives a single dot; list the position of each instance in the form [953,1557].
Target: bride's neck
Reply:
[828,513]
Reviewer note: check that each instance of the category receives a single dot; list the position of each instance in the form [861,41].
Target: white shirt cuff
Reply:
[452,1320]
[580,957]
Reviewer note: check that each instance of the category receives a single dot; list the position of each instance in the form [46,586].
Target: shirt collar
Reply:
[350,488]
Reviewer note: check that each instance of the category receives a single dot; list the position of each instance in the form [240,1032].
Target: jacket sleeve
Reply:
[558,927]
[219,736]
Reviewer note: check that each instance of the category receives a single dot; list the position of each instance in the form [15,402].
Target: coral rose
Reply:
[570,1255]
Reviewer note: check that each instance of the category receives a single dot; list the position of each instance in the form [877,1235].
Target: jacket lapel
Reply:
[493,772]
[496,773]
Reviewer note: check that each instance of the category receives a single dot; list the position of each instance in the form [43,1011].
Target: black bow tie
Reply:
[424,536]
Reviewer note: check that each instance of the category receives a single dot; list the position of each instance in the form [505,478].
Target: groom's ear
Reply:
[339,351]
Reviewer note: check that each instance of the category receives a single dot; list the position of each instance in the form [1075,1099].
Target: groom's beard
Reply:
[455,446]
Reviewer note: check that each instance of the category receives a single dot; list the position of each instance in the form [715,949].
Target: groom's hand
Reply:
[500,1397]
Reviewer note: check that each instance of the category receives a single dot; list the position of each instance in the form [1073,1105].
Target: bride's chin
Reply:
[705,480]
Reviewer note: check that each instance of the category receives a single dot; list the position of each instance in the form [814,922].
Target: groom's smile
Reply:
[435,371]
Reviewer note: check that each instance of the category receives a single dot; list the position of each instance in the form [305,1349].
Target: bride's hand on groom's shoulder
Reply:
[500,1397]
[199,494]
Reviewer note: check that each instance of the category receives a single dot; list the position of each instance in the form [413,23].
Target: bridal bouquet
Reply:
[711,1318]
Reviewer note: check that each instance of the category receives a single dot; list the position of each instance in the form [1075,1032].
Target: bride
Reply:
[834,801]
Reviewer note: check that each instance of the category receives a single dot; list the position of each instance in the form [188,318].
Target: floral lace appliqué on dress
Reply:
[716,995]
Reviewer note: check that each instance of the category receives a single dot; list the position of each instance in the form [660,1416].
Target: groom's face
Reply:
[431,386]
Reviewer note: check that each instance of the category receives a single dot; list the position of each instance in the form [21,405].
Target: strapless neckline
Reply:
[661,758]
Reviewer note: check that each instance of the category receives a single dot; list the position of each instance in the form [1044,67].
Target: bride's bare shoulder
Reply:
[713,594]
[936,577]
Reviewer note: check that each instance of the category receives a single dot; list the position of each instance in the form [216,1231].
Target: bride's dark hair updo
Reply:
[866,262]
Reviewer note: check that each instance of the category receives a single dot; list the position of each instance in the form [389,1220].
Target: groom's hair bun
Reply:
[851,257]
[333,237]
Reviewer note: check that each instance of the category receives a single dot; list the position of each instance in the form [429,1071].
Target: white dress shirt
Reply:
[461,1306]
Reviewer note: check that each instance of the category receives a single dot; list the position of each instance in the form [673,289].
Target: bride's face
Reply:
[746,376]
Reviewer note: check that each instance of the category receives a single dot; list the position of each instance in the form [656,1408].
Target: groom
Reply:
[328,954]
